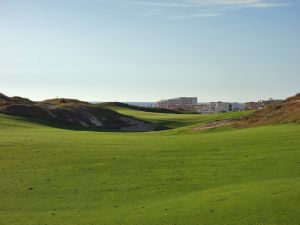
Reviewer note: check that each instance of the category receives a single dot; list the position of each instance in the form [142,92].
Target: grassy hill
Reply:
[287,111]
[59,176]
[72,112]
[173,120]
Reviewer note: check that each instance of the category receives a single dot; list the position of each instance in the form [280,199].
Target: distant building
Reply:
[237,107]
[220,106]
[253,105]
[217,107]
[260,104]
[185,103]
[202,108]
[270,101]
[142,104]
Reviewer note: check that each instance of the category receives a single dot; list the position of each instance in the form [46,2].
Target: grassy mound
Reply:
[287,111]
[73,112]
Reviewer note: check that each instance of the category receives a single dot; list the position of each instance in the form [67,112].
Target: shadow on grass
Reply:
[66,126]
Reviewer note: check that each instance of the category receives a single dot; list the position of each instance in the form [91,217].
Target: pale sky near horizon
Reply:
[147,50]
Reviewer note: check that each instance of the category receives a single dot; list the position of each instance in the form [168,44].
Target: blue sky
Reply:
[146,50]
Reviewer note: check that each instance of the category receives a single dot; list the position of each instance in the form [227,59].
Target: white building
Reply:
[237,107]
[217,107]
[178,103]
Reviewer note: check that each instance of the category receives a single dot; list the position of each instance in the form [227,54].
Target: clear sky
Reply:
[146,50]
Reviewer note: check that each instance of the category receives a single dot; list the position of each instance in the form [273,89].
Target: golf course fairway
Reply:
[59,176]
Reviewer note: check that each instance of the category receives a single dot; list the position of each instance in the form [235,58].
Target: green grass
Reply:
[234,177]
[169,120]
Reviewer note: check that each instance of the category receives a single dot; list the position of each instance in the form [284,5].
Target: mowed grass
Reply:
[169,120]
[56,176]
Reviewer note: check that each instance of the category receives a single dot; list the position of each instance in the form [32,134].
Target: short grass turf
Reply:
[170,120]
[56,176]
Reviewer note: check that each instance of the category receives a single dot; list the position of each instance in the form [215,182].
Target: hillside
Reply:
[287,111]
[73,112]
[283,112]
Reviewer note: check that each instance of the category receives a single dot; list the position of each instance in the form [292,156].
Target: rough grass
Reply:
[56,176]
[287,111]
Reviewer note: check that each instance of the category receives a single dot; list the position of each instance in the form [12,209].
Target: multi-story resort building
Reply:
[191,104]
[185,103]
